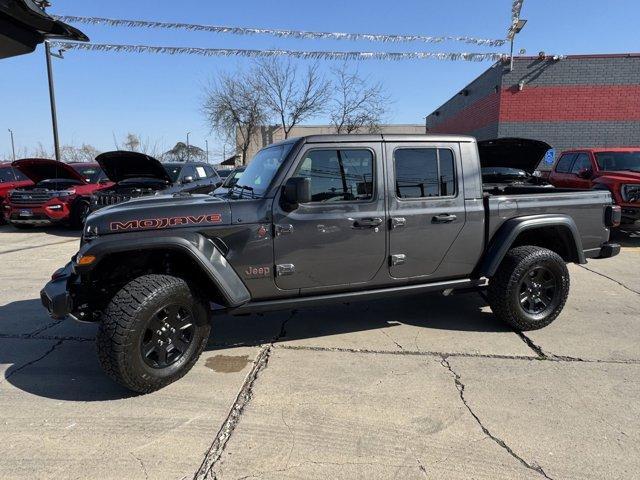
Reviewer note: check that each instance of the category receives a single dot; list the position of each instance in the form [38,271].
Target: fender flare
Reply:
[506,235]
[199,248]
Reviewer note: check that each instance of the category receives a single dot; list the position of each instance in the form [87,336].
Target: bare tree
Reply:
[132,142]
[181,153]
[234,108]
[290,98]
[73,154]
[358,105]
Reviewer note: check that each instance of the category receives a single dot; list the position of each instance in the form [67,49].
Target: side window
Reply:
[188,171]
[210,172]
[424,172]
[338,175]
[564,164]
[582,162]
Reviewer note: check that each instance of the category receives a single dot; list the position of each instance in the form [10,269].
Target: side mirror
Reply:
[585,173]
[296,190]
[188,179]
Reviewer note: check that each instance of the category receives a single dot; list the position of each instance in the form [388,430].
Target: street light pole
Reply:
[206,143]
[52,99]
[13,147]
[188,153]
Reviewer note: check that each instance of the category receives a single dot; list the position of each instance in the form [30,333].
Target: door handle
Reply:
[443,218]
[367,222]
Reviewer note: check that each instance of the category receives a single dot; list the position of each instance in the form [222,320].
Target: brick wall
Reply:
[579,101]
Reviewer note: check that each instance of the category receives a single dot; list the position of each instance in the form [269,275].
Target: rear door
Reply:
[426,205]
[338,238]
[580,164]
[561,175]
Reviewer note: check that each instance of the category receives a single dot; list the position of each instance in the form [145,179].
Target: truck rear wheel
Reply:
[530,288]
[152,332]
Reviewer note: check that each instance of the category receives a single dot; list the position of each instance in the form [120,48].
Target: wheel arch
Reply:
[558,233]
[193,257]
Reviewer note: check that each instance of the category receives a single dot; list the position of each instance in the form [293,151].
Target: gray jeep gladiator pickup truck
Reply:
[324,219]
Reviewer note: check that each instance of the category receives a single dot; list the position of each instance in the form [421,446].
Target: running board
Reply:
[312,301]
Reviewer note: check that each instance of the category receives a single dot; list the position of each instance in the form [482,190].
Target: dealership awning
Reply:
[24,25]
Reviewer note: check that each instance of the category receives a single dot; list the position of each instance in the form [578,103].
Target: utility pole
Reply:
[13,147]
[188,153]
[52,98]
[206,143]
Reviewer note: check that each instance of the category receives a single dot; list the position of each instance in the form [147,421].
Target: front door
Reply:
[339,237]
[426,206]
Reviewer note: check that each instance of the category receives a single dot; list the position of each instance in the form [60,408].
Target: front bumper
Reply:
[630,214]
[52,212]
[55,296]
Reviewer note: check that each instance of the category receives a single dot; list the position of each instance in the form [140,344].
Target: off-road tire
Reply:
[125,321]
[505,287]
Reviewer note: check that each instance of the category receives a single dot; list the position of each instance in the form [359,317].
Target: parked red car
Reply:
[10,179]
[613,169]
[60,193]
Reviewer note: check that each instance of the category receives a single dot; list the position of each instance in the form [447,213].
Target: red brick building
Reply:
[570,102]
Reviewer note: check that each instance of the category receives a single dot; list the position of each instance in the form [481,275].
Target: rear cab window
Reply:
[564,163]
[424,172]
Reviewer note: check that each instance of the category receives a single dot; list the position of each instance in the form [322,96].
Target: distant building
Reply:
[571,102]
[270,134]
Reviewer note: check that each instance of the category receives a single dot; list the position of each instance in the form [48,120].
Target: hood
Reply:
[160,212]
[521,153]
[39,169]
[121,165]
[24,25]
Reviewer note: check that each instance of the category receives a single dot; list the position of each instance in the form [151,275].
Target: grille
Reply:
[30,198]
[104,199]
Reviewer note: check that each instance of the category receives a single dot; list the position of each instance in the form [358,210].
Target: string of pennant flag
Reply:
[298,34]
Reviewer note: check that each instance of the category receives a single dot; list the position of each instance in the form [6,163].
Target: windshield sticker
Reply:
[158,223]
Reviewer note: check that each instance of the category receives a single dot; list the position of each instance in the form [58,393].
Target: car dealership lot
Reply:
[423,387]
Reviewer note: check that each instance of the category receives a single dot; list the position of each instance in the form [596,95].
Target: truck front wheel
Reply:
[152,332]
[530,288]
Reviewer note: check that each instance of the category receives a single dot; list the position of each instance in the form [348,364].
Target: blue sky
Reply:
[158,97]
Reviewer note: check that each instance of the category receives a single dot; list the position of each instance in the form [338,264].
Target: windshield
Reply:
[173,170]
[612,161]
[503,171]
[263,168]
[91,174]
[6,175]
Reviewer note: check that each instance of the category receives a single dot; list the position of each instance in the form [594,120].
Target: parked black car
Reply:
[137,174]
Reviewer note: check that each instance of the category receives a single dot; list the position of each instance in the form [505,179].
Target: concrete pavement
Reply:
[429,387]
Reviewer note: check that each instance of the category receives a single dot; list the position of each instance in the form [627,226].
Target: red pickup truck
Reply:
[614,169]
[10,179]
[60,192]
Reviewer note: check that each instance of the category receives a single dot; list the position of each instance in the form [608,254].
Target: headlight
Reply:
[630,192]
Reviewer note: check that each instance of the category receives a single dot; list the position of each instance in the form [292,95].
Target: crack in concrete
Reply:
[460,387]
[612,279]
[28,336]
[426,353]
[215,451]
[144,469]
[28,364]
[45,327]
[421,468]
[536,348]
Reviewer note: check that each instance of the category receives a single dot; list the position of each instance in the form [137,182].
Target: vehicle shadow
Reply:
[58,360]
[56,231]
[626,238]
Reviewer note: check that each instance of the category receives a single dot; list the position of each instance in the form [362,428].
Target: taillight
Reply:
[612,215]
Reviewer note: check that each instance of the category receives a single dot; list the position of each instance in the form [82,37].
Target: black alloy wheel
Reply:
[538,290]
[168,336]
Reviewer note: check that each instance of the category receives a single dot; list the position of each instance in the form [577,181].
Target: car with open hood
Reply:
[24,25]
[137,174]
[511,162]
[60,192]
[616,170]
[10,179]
